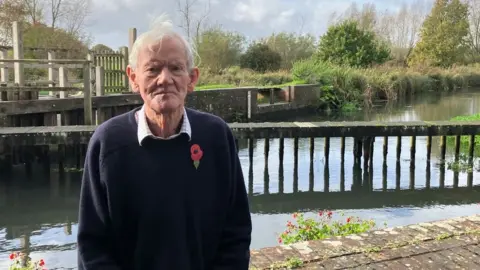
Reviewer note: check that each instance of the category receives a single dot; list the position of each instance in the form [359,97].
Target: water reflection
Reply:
[39,213]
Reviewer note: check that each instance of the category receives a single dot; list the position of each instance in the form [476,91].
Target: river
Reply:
[40,214]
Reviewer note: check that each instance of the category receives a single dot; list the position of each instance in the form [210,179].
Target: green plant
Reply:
[21,261]
[307,229]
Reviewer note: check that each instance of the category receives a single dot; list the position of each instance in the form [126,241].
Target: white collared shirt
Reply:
[144,131]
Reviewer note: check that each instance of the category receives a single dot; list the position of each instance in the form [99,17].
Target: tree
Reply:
[261,58]
[474,33]
[291,47]
[443,36]
[10,11]
[399,29]
[101,48]
[69,15]
[192,22]
[346,44]
[219,49]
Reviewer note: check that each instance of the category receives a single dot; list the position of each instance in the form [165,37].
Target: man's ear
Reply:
[194,75]
[132,78]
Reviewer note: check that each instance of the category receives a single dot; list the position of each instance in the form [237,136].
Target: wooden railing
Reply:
[363,134]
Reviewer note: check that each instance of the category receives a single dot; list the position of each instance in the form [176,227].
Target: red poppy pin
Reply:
[196,153]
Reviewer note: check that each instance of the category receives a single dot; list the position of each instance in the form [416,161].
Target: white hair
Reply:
[161,27]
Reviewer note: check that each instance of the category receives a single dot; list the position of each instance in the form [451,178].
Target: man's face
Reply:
[162,76]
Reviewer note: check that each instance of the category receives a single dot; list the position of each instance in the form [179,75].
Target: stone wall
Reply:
[230,104]
[240,104]
[233,105]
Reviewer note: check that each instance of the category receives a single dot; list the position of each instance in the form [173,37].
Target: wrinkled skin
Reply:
[163,80]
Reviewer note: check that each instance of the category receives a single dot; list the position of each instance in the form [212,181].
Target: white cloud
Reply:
[111,19]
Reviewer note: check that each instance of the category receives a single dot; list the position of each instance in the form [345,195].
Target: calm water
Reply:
[39,214]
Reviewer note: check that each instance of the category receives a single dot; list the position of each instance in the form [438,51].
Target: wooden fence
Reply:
[12,58]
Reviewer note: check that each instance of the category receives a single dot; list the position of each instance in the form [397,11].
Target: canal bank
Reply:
[450,243]
[41,213]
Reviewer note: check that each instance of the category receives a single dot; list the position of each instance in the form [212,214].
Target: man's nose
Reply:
[165,77]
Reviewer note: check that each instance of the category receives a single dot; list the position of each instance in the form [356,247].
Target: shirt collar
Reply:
[144,131]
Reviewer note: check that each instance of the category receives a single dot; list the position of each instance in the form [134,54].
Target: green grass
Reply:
[465,140]
[214,86]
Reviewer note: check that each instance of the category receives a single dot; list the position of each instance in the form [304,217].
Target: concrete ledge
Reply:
[452,243]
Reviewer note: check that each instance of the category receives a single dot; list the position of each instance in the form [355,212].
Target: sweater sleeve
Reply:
[94,239]
[234,249]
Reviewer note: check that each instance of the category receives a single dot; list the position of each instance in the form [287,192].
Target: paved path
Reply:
[446,244]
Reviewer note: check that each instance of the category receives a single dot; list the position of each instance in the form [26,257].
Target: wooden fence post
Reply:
[125,51]
[87,95]
[132,36]
[3,75]
[18,54]
[52,72]
[100,91]
[62,80]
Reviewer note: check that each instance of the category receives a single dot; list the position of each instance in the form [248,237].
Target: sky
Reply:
[110,20]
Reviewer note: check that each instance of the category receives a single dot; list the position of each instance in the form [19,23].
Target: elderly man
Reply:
[162,186]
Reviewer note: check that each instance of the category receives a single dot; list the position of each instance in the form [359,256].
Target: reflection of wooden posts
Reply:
[25,243]
[68,228]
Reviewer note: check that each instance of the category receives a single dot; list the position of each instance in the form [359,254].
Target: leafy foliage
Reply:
[261,58]
[347,44]
[218,49]
[443,36]
[307,229]
[291,47]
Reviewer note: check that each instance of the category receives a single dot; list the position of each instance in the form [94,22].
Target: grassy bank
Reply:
[463,164]
[465,140]
[346,87]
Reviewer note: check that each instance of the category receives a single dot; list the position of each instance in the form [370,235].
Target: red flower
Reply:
[320,213]
[12,256]
[280,240]
[329,214]
[348,220]
[295,215]
[196,154]
[41,262]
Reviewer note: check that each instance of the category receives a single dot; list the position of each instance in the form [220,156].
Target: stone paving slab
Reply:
[445,244]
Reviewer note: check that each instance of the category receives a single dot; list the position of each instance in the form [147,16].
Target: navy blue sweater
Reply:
[147,207]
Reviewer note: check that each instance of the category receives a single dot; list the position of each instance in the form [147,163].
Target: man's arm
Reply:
[94,239]
[234,249]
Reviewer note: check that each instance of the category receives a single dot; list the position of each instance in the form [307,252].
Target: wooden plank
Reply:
[66,104]
[46,61]
[42,65]
[291,130]
[38,89]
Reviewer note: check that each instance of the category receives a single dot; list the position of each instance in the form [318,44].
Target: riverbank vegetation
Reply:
[365,55]
[21,261]
[322,227]
[362,57]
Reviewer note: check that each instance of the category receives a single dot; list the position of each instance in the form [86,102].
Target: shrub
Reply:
[307,229]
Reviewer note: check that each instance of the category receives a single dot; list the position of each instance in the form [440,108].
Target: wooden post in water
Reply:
[87,95]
